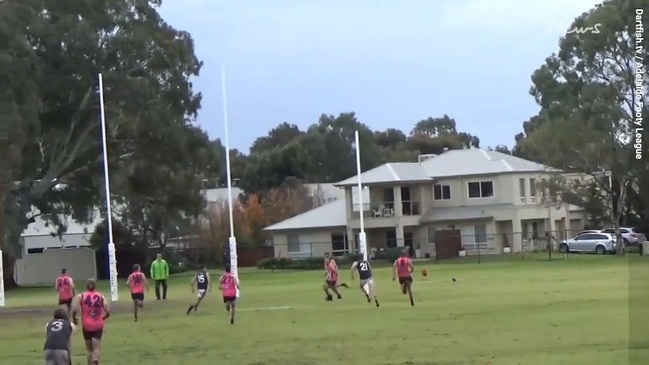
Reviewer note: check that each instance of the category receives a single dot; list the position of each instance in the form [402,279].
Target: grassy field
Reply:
[562,312]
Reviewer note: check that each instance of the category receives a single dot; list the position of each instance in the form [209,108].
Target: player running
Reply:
[57,343]
[331,279]
[365,276]
[201,284]
[403,269]
[137,282]
[229,285]
[94,312]
[65,287]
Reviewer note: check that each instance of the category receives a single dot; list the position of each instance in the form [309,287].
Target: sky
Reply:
[393,63]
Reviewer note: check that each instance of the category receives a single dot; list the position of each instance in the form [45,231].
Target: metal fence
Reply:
[521,245]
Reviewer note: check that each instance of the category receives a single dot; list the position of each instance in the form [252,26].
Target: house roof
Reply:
[478,162]
[390,172]
[451,163]
[463,213]
[325,216]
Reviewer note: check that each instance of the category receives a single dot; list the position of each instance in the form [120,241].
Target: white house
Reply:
[492,199]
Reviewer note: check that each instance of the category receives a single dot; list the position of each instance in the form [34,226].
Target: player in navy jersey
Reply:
[201,284]
[365,275]
[57,343]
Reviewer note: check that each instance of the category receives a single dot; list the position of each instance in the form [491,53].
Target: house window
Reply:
[480,232]
[533,190]
[441,192]
[293,242]
[431,234]
[481,189]
[339,245]
[521,189]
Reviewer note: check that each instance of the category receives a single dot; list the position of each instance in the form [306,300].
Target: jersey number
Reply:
[363,266]
[62,282]
[137,279]
[56,326]
[93,302]
[200,279]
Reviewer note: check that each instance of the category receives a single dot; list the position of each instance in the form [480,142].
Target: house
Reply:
[39,235]
[492,199]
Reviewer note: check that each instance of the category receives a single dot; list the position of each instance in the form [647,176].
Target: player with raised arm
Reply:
[403,269]
[65,287]
[58,339]
[137,282]
[94,310]
[229,285]
[365,275]
[331,279]
[201,284]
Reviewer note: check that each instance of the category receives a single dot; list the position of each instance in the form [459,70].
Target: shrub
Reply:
[274,263]
[176,269]
[309,263]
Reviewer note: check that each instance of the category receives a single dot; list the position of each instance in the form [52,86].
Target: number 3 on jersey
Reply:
[363,266]
[56,326]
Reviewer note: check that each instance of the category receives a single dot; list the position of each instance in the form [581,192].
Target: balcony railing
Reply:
[376,210]
[386,209]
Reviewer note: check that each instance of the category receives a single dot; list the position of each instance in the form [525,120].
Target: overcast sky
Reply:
[392,62]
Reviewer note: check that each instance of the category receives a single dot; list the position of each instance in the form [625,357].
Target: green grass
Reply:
[511,312]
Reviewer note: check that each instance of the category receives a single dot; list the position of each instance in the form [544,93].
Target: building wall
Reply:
[313,243]
[43,268]
[38,243]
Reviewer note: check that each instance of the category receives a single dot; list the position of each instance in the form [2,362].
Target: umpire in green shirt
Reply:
[159,274]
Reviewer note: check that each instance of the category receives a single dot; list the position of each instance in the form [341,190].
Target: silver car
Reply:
[600,243]
[629,235]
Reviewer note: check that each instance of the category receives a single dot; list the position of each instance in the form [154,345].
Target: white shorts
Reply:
[201,293]
[368,281]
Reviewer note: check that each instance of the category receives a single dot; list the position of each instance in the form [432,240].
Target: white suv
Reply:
[629,235]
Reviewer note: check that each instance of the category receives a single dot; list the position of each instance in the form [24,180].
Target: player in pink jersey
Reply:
[331,279]
[137,282]
[65,287]
[403,269]
[229,285]
[94,310]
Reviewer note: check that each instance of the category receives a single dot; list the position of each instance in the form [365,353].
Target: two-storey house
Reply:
[492,199]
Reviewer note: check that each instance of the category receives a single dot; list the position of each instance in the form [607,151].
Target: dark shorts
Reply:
[66,302]
[405,280]
[229,299]
[89,335]
[331,283]
[137,296]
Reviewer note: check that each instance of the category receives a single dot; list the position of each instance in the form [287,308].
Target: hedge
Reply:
[310,263]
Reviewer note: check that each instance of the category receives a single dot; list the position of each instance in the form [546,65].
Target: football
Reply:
[424,272]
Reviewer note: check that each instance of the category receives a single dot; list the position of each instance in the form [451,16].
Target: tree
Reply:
[276,137]
[586,122]
[215,233]
[256,219]
[57,52]
[433,135]
[286,201]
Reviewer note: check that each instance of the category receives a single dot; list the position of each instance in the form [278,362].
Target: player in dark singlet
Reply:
[365,275]
[201,284]
[57,343]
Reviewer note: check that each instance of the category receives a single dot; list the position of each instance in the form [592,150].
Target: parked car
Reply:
[629,235]
[587,231]
[597,242]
